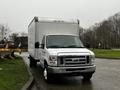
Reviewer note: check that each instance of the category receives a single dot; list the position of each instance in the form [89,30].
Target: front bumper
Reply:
[72,70]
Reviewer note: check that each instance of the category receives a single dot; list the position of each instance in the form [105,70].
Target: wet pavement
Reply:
[106,77]
[34,87]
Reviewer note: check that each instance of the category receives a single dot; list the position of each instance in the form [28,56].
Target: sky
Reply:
[17,14]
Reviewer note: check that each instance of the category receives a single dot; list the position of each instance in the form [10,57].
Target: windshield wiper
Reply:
[70,46]
[74,46]
[54,46]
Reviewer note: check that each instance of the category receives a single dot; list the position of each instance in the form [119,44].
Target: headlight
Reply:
[92,58]
[53,60]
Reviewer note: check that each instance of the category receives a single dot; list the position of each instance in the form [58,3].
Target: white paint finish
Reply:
[37,30]
[70,51]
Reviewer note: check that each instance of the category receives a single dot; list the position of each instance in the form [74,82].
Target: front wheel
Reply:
[87,77]
[46,75]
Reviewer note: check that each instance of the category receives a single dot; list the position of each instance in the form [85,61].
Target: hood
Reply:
[69,51]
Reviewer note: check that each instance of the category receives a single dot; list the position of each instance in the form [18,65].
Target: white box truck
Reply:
[56,45]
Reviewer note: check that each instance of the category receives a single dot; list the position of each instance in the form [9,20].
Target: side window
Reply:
[43,40]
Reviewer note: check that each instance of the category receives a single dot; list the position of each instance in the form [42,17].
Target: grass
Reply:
[13,74]
[103,53]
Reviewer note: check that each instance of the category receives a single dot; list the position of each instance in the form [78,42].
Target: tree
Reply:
[106,33]
[4,32]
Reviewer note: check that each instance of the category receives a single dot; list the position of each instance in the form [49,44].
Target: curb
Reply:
[31,80]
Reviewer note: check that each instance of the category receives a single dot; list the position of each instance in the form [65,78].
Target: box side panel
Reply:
[31,39]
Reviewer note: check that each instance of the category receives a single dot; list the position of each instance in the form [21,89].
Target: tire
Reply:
[46,75]
[87,77]
[33,62]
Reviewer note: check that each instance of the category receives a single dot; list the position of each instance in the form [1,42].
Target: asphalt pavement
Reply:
[106,77]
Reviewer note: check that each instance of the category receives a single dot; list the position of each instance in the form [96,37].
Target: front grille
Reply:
[73,60]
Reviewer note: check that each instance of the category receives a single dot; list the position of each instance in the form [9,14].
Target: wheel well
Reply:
[45,63]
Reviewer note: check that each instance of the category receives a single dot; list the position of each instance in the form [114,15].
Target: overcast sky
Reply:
[18,13]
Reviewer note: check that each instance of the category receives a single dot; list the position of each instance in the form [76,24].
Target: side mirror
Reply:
[42,46]
[37,45]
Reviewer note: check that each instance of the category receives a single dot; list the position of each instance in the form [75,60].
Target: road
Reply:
[106,77]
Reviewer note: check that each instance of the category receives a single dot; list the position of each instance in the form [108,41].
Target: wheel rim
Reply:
[45,74]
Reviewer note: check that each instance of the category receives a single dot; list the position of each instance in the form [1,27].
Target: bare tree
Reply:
[105,34]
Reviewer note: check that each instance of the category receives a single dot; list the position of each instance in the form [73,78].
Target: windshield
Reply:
[63,41]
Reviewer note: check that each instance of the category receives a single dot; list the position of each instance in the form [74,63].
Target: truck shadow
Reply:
[60,83]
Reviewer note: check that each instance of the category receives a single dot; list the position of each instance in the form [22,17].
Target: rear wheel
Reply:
[33,62]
